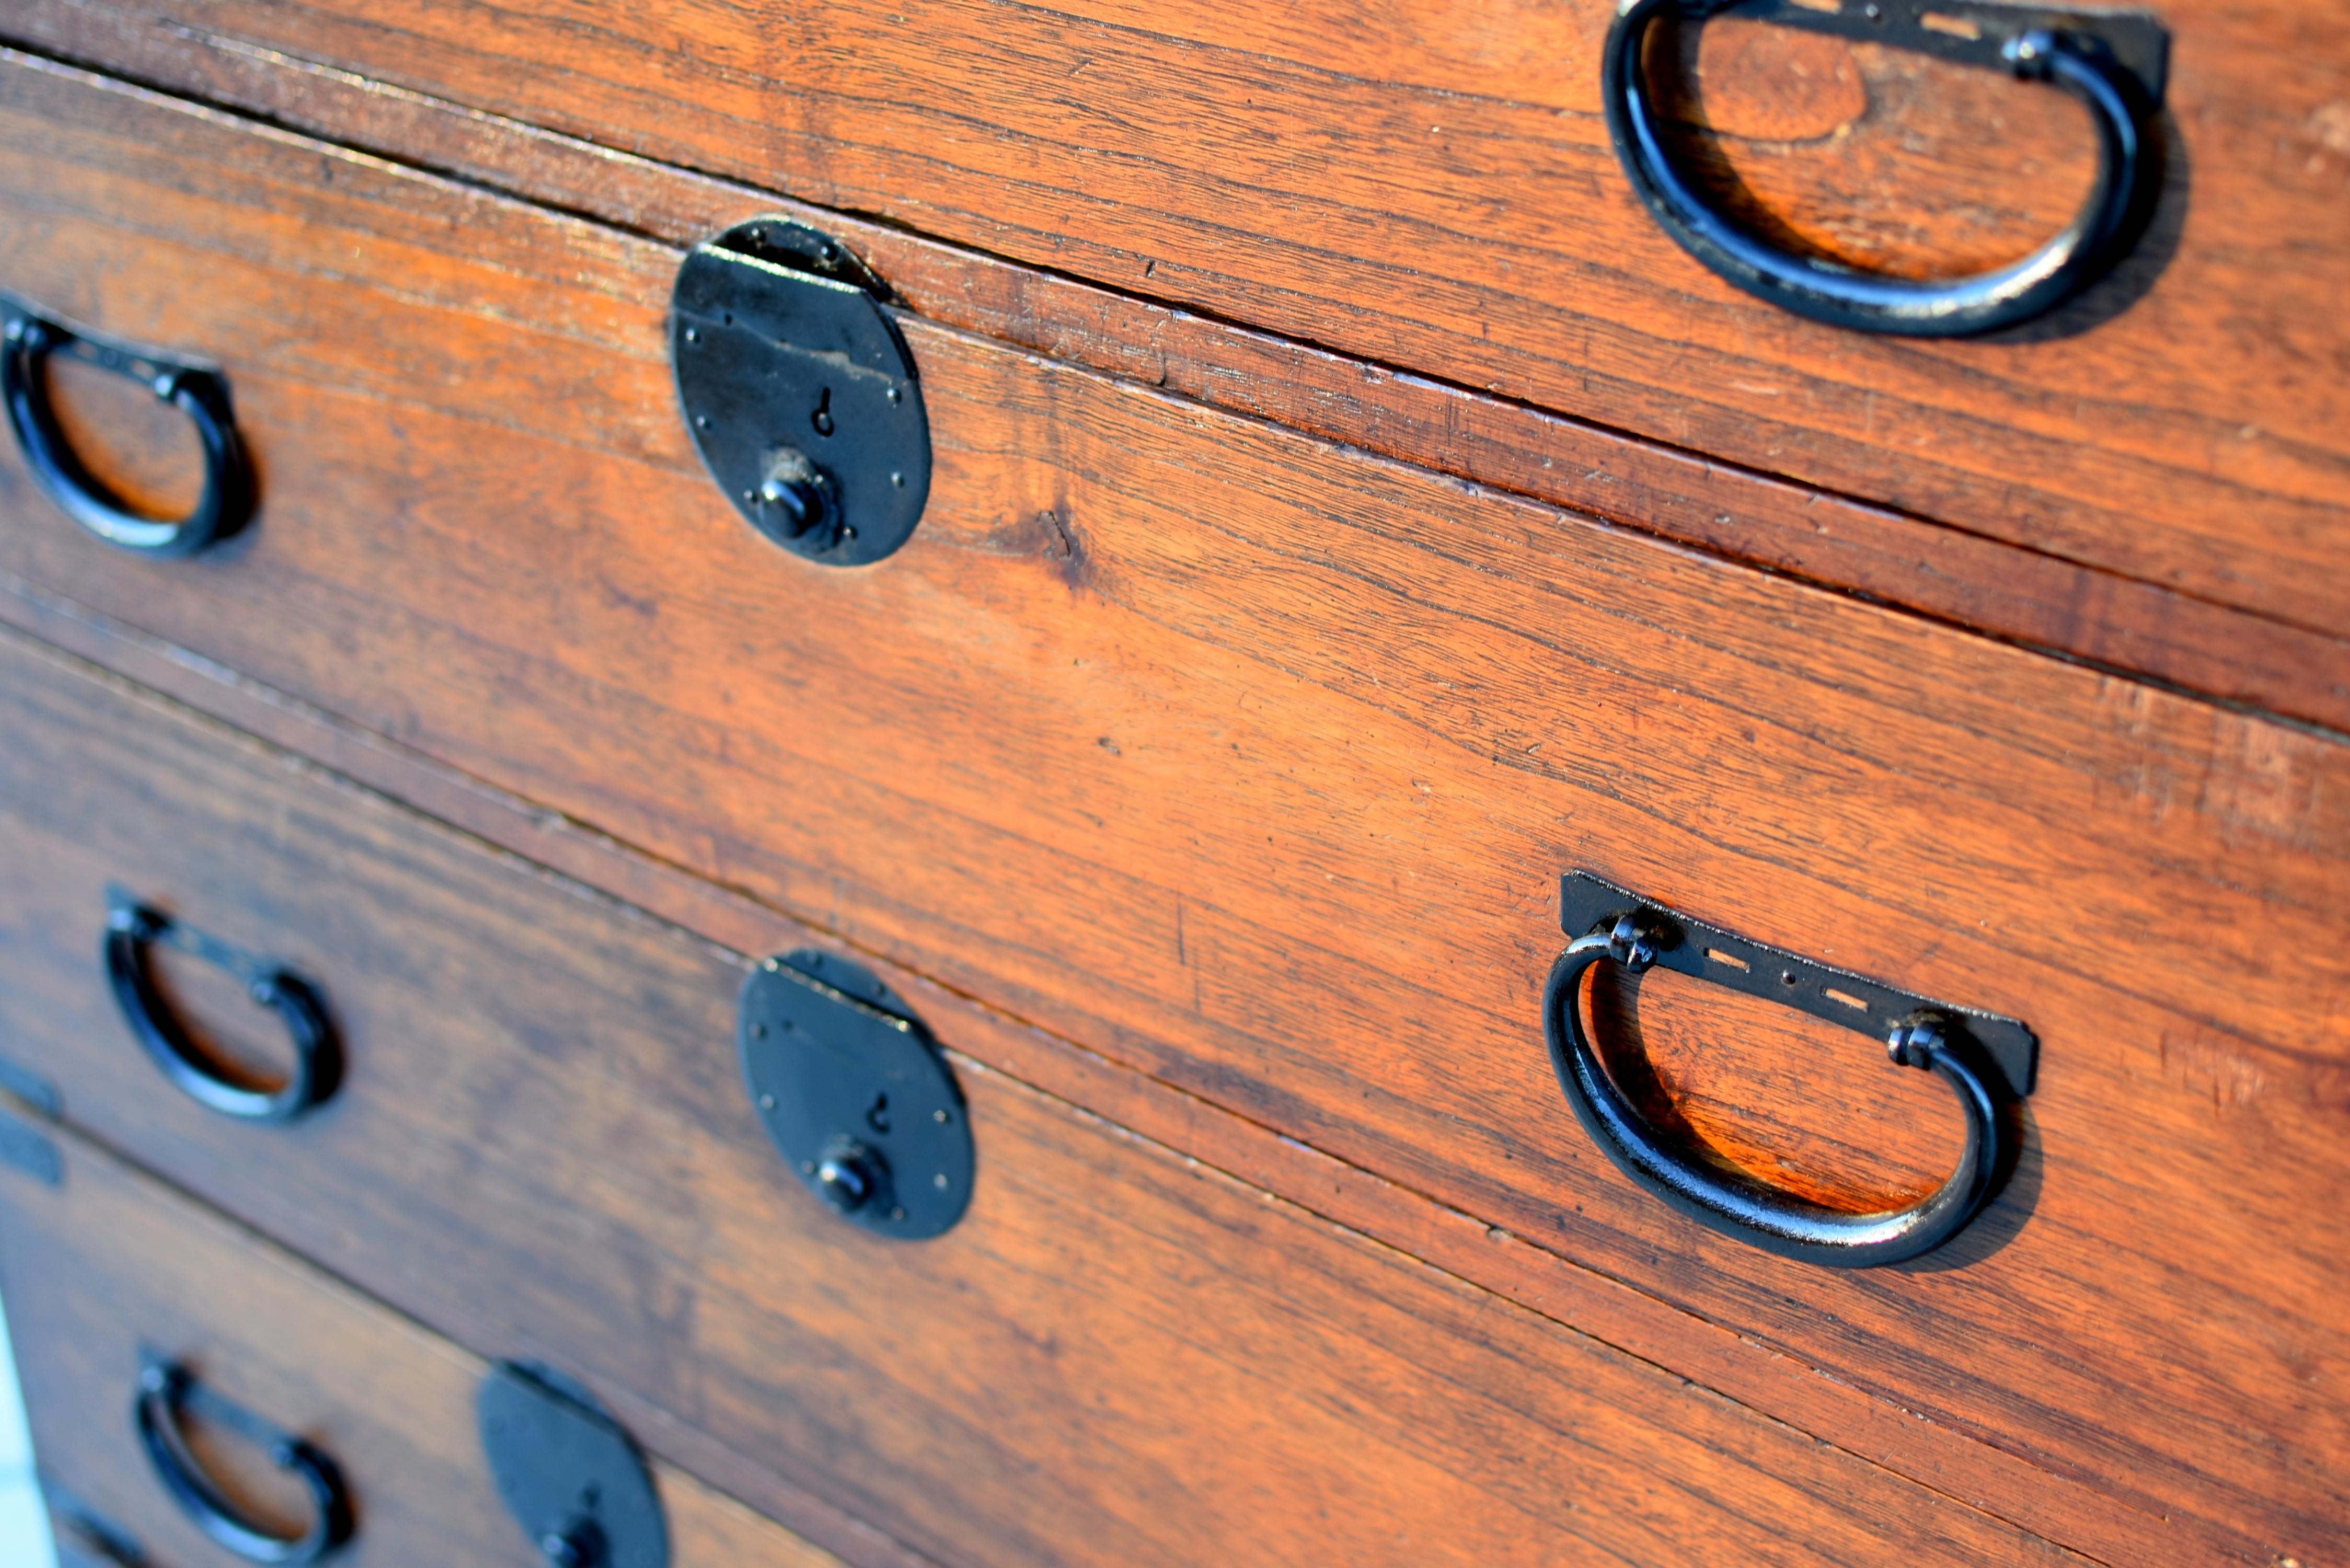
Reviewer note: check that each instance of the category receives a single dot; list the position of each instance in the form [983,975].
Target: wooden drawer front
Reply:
[542,1147]
[1436,189]
[112,1266]
[1252,764]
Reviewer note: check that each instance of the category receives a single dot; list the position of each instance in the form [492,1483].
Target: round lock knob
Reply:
[796,491]
[848,1177]
[577,1545]
[796,500]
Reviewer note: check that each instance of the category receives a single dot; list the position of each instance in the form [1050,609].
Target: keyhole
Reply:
[878,1118]
[823,414]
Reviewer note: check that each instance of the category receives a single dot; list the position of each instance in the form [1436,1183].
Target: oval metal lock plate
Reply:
[567,1473]
[856,1095]
[799,392]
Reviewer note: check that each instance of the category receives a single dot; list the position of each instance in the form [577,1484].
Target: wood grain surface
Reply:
[543,1149]
[1301,739]
[2020,594]
[1249,763]
[1211,1136]
[113,1265]
[1431,186]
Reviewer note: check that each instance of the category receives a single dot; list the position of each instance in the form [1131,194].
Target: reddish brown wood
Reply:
[2020,594]
[1300,937]
[543,1149]
[113,1264]
[1433,188]
[1789,1099]
[2050,1504]
[1249,763]
[148,452]
[1356,718]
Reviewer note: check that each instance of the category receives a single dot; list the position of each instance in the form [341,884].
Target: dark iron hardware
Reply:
[26,1148]
[196,388]
[167,1392]
[2114,62]
[38,1093]
[857,1096]
[1987,1060]
[567,1473]
[799,392]
[93,1535]
[131,928]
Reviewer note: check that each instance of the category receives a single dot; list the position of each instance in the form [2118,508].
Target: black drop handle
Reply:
[166,1391]
[1986,1061]
[198,391]
[2114,63]
[131,928]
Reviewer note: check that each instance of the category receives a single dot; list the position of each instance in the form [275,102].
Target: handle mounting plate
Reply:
[1974,32]
[1837,996]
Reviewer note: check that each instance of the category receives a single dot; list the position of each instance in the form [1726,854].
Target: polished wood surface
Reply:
[1431,187]
[1335,724]
[1712,1354]
[2019,595]
[543,1149]
[1334,794]
[113,1265]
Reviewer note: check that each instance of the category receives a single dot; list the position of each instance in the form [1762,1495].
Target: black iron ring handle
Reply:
[1738,1206]
[165,1391]
[131,929]
[197,390]
[2128,180]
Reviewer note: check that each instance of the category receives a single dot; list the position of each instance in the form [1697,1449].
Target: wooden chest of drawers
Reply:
[1344,513]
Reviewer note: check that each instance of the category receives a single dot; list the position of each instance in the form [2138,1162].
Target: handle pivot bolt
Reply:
[1632,943]
[1914,1040]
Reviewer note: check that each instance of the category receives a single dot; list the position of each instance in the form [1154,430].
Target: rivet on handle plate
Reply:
[2114,62]
[1987,1060]
[197,388]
